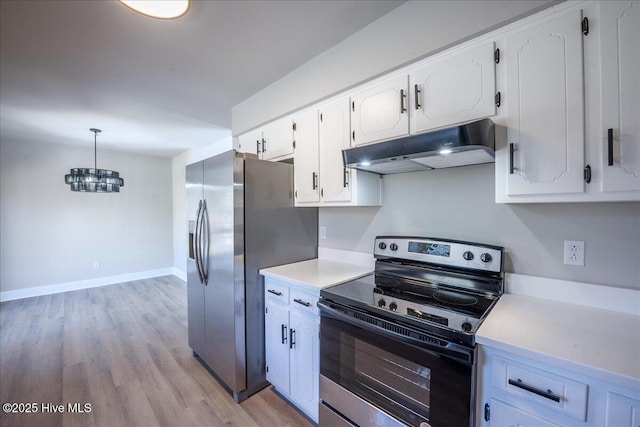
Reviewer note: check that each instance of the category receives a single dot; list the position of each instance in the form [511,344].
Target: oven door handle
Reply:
[451,350]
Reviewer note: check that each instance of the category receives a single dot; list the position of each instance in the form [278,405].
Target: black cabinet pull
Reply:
[587,174]
[257,146]
[345,182]
[585,26]
[416,94]
[546,394]
[512,148]
[314,176]
[292,338]
[610,145]
[271,291]
[305,303]
[264,145]
[283,333]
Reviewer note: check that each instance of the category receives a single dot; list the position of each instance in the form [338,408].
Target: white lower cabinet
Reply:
[518,391]
[292,343]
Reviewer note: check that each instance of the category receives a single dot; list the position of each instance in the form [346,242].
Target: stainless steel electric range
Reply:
[397,347]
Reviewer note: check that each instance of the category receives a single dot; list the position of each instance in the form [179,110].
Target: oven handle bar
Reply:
[450,350]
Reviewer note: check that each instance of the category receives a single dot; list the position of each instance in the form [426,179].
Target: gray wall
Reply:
[413,30]
[459,203]
[51,235]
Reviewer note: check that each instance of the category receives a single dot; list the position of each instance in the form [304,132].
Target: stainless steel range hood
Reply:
[467,144]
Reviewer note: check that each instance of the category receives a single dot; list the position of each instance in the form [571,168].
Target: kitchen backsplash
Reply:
[459,203]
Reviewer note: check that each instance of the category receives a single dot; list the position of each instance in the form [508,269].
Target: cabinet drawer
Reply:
[276,291]
[505,415]
[304,301]
[546,388]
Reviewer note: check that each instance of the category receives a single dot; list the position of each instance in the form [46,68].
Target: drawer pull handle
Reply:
[546,394]
[299,301]
[271,291]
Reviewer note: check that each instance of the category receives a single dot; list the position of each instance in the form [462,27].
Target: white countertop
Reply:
[600,343]
[317,273]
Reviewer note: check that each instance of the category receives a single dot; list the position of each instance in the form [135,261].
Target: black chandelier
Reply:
[94,180]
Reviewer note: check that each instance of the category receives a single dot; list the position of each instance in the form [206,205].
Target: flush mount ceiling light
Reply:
[163,9]
[94,180]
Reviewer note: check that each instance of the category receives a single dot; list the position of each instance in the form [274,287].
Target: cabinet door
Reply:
[620,62]
[334,137]
[306,164]
[503,415]
[622,411]
[250,142]
[545,107]
[380,111]
[277,139]
[304,362]
[454,89]
[276,331]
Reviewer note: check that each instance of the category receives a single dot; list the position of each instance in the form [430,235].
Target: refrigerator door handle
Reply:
[206,238]
[196,241]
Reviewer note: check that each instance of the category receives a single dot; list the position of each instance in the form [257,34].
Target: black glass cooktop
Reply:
[433,294]
[369,289]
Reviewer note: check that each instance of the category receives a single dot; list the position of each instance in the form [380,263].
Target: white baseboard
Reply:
[586,294]
[180,274]
[90,283]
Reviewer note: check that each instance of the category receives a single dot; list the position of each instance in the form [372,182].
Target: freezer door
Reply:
[195,289]
[224,295]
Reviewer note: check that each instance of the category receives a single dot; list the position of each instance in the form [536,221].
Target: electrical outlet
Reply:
[323,232]
[574,252]
[96,265]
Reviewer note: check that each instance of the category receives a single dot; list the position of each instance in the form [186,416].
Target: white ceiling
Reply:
[153,86]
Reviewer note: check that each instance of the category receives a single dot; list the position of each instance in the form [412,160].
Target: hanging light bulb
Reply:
[163,9]
[94,180]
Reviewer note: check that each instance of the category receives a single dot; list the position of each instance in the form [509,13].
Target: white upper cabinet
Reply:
[454,88]
[277,140]
[334,137]
[545,107]
[270,142]
[320,176]
[380,111]
[619,138]
[305,158]
[250,142]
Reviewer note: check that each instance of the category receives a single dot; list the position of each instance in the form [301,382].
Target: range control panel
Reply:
[445,252]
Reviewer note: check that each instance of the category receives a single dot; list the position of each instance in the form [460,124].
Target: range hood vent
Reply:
[468,144]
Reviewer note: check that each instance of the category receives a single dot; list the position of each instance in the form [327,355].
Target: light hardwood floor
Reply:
[122,349]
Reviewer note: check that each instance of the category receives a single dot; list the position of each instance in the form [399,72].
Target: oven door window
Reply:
[411,383]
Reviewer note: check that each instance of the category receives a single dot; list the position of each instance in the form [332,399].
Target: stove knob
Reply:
[382,245]
[393,247]
[485,257]
[393,306]
[381,303]
[467,255]
[466,326]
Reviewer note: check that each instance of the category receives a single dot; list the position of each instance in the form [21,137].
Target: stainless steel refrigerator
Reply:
[241,219]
